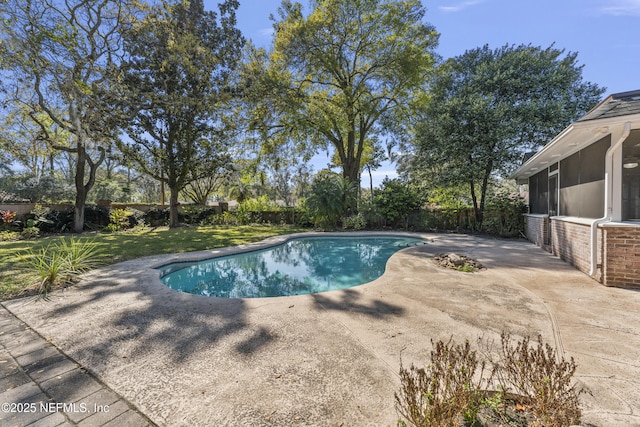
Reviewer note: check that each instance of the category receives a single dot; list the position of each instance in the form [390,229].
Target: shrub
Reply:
[50,266]
[260,204]
[40,214]
[7,217]
[249,211]
[81,256]
[9,235]
[156,217]
[301,216]
[451,391]
[504,215]
[119,220]
[396,201]
[61,263]
[225,218]
[95,217]
[57,221]
[136,218]
[369,210]
[196,214]
[354,222]
[30,232]
[446,219]
[546,382]
[444,393]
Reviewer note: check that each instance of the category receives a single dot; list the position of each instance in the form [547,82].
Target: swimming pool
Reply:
[299,266]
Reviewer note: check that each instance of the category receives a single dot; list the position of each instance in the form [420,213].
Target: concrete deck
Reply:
[333,358]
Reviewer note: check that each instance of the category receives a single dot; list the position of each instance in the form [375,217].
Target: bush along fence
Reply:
[29,220]
[497,222]
[503,222]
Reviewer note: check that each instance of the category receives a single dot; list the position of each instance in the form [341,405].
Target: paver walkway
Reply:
[41,386]
[315,360]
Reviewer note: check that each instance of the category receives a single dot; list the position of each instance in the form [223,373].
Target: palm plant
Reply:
[241,191]
[330,198]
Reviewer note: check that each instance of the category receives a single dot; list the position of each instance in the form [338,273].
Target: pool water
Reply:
[299,266]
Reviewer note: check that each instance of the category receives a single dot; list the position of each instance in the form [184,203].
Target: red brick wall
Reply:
[618,258]
[622,256]
[572,243]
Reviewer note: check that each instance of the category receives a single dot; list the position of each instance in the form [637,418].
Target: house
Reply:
[584,192]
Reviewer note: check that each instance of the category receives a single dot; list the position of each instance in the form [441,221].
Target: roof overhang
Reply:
[571,140]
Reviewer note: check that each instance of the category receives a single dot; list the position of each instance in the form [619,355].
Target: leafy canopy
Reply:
[488,107]
[176,89]
[58,59]
[343,67]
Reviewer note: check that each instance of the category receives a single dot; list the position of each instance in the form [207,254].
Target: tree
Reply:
[24,142]
[201,190]
[58,58]
[47,188]
[372,157]
[281,184]
[179,58]
[340,70]
[302,180]
[488,107]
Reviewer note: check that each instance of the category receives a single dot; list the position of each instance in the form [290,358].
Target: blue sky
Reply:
[605,33]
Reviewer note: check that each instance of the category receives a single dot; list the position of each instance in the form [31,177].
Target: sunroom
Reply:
[584,192]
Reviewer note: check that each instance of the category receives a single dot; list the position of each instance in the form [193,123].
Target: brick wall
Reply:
[618,258]
[622,256]
[536,229]
[572,243]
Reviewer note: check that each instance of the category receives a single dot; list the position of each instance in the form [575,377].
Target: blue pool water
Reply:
[299,266]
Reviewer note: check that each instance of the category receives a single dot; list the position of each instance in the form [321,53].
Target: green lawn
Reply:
[122,246]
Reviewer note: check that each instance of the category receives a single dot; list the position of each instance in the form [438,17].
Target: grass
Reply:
[16,278]
[467,268]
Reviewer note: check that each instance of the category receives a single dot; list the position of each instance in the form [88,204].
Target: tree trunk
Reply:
[483,191]
[351,171]
[370,182]
[83,189]
[173,208]
[476,209]
[78,211]
[81,194]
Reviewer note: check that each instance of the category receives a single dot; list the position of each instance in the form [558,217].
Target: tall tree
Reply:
[488,107]
[177,69]
[344,67]
[372,158]
[24,141]
[58,59]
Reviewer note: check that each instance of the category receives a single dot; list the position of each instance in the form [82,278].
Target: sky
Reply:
[604,33]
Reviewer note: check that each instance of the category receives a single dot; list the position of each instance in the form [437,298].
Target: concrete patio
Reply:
[330,359]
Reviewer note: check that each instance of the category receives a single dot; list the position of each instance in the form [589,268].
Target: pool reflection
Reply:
[299,266]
